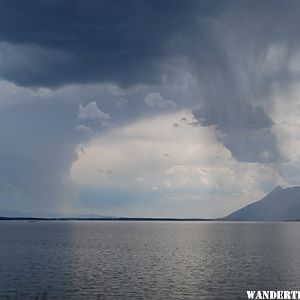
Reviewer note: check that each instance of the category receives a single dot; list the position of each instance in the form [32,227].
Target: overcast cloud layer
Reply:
[144,107]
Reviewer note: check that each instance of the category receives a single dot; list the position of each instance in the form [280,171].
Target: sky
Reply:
[147,108]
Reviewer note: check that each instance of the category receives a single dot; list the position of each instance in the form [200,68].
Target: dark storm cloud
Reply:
[60,42]
[53,43]
[242,55]
[227,114]
[243,128]
[251,145]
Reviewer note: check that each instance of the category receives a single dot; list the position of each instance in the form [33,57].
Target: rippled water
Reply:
[146,260]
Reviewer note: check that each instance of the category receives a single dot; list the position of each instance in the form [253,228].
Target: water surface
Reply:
[146,260]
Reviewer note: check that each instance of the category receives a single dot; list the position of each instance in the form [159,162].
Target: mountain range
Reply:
[279,205]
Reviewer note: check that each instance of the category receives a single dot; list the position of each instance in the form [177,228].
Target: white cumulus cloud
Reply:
[199,173]
[92,112]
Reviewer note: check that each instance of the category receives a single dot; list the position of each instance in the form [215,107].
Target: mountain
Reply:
[280,204]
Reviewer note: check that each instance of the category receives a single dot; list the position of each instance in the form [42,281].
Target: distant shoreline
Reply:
[103,219]
[122,219]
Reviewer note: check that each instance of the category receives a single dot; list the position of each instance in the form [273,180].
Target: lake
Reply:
[146,260]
